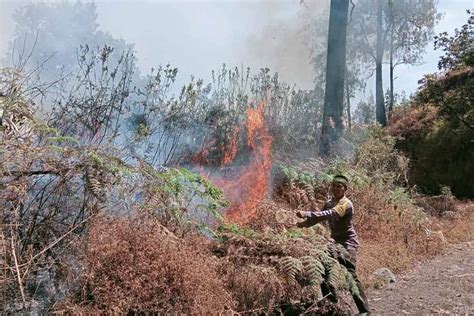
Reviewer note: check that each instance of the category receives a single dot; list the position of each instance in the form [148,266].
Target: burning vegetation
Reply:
[141,239]
[246,183]
[129,199]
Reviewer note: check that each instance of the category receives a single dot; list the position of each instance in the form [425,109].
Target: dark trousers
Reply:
[350,263]
[348,260]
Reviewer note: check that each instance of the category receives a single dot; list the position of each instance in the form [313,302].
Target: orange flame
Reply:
[230,151]
[250,185]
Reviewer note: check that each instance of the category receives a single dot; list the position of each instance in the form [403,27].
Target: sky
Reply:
[198,36]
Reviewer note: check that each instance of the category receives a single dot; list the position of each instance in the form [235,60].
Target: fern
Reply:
[292,267]
[352,285]
[109,163]
[97,161]
[309,190]
[183,196]
[94,185]
[45,129]
[336,275]
[313,269]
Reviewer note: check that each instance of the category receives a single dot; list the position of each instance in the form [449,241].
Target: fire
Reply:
[251,185]
[230,151]
[247,185]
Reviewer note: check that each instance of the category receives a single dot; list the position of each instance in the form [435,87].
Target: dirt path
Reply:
[444,285]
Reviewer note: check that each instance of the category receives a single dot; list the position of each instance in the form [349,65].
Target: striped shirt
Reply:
[339,214]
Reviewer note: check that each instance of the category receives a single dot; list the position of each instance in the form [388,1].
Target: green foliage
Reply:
[378,157]
[297,186]
[235,229]
[293,233]
[401,197]
[436,132]
[317,268]
[300,177]
[294,175]
[358,177]
[291,267]
[109,163]
[314,269]
[62,140]
[44,129]
[458,49]
[452,95]
[184,194]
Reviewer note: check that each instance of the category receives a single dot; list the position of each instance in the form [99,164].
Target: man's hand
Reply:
[300,214]
[301,224]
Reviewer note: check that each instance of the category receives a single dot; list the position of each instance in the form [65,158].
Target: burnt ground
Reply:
[442,286]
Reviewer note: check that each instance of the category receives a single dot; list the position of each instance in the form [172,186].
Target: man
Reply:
[338,211]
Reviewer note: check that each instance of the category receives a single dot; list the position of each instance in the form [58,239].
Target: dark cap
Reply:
[341,179]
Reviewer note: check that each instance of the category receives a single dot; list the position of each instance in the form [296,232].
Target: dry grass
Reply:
[396,232]
[397,236]
[392,235]
[461,227]
[129,266]
[254,288]
[412,121]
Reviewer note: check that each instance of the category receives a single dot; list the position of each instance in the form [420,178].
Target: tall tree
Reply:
[411,27]
[355,80]
[394,31]
[391,20]
[459,48]
[335,72]
[379,50]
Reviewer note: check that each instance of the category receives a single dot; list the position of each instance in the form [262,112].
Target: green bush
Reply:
[440,146]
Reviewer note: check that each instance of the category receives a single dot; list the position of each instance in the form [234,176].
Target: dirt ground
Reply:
[442,286]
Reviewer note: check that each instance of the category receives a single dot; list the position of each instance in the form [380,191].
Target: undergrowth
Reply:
[86,229]
[397,226]
[130,266]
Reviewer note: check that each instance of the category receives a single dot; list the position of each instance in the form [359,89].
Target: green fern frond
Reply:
[309,189]
[96,160]
[44,129]
[326,260]
[336,276]
[313,269]
[62,140]
[292,267]
[351,285]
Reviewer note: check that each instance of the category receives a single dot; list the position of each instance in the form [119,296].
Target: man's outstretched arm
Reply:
[314,217]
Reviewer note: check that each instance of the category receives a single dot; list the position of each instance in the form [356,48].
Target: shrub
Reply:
[378,158]
[257,289]
[436,133]
[394,231]
[278,270]
[131,266]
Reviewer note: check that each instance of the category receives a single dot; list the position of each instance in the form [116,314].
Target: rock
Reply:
[382,277]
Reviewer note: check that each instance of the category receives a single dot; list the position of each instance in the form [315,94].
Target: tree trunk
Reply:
[379,99]
[390,105]
[348,101]
[335,70]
